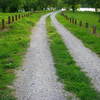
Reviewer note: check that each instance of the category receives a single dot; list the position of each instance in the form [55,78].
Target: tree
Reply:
[4,5]
[93,3]
[72,4]
[11,5]
[28,5]
[15,5]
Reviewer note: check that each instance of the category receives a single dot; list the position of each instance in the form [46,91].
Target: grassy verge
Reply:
[13,45]
[91,17]
[90,40]
[5,15]
[69,73]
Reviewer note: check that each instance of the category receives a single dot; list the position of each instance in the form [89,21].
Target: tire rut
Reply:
[37,80]
[85,58]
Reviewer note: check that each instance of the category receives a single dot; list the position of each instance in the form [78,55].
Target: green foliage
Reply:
[93,3]
[27,5]
[73,4]
[69,73]
[30,4]
[90,40]
[11,5]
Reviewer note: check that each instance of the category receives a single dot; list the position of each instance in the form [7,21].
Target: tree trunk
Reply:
[73,8]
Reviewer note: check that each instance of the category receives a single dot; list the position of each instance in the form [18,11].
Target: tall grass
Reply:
[13,45]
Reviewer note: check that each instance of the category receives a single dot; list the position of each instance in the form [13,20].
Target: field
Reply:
[5,16]
[69,73]
[90,17]
[90,40]
[13,45]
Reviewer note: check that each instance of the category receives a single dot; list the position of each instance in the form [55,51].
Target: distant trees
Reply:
[4,5]
[44,4]
[73,4]
[11,5]
[93,3]
[15,5]
[27,5]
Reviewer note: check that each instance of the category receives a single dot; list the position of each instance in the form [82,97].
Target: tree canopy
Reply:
[28,5]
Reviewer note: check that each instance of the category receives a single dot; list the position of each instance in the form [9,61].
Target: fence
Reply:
[12,19]
[80,23]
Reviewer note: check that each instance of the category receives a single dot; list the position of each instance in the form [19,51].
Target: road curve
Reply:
[36,80]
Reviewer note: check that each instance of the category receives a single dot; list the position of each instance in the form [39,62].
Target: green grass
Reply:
[90,40]
[74,80]
[90,17]
[13,45]
[5,15]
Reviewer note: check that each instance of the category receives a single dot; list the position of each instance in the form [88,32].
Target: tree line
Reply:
[28,5]
[74,4]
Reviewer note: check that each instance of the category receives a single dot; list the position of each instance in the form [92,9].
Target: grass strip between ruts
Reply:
[69,73]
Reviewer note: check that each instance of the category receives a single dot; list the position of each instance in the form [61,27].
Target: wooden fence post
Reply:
[70,20]
[16,17]
[75,21]
[86,25]
[19,16]
[9,19]
[94,29]
[3,23]
[81,23]
[12,18]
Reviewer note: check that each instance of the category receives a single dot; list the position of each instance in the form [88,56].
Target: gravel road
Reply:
[37,80]
[85,58]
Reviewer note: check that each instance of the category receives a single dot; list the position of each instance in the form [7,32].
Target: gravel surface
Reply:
[36,80]
[85,58]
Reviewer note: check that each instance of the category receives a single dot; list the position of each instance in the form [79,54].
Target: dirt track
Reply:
[85,58]
[37,79]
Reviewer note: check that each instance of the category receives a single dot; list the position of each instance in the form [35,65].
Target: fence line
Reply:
[81,24]
[12,19]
